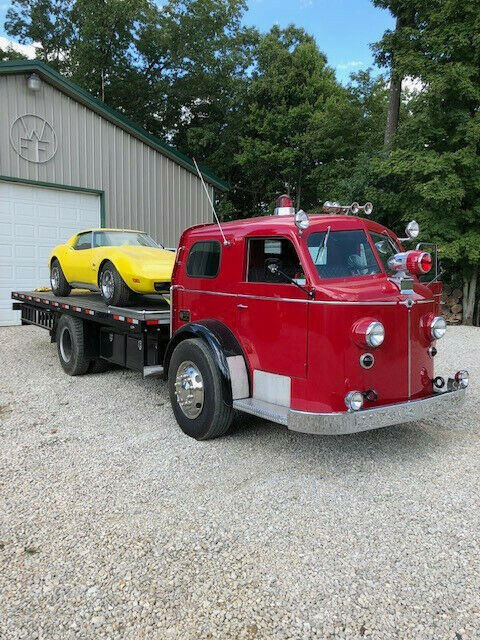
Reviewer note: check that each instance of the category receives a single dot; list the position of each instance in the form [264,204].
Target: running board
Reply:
[151,372]
[267,410]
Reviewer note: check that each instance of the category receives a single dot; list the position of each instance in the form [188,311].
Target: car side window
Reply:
[204,259]
[263,252]
[84,241]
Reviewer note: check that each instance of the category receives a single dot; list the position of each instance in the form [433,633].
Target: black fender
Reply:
[222,343]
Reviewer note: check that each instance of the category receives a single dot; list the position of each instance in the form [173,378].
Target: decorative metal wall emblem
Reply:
[33,138]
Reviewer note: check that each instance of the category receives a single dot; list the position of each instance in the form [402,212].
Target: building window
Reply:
[262,252]
[84,241]
[204,259]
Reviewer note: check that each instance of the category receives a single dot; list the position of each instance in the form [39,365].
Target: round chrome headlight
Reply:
[438,327]
[375,334]
[354,400]
[462,379]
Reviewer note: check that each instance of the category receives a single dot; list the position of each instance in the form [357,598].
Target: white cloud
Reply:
[351,64]
[26,49]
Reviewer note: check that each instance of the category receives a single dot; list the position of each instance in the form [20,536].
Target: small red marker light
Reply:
[284,201]
[284,206]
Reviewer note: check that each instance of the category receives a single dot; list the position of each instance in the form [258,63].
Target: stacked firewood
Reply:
[452,304]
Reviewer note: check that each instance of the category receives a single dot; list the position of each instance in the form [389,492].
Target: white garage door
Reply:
[32,221]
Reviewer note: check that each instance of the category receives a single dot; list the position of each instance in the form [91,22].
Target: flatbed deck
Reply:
[151,309]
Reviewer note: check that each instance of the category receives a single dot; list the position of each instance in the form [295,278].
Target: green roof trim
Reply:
[114,116]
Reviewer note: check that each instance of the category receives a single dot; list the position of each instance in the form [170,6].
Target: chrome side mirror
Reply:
[412,230]
[301,220]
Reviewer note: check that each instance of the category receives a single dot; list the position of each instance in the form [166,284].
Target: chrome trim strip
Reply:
[409,352]
[362,303]
[375,418]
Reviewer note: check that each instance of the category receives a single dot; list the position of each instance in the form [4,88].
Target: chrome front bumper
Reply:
[375,418]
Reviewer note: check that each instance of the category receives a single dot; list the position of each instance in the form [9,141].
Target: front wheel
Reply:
[112,287]
[196,392]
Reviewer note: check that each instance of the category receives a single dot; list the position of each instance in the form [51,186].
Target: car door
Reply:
[79,269]
[272,312]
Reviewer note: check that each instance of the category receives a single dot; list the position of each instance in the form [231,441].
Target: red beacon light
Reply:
[284,206]
[415,263]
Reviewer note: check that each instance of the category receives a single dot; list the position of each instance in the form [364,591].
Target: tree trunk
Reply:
[393,101]
[469,292]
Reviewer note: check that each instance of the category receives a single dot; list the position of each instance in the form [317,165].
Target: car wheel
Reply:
[196,393]
[112,287]
[71,346]
[58,282]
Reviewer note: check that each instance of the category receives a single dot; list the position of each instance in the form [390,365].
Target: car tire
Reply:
[71,346]
[206,415]
[112,287]
[58,282]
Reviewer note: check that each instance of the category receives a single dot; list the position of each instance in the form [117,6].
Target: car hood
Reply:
[149,255]
[149,262]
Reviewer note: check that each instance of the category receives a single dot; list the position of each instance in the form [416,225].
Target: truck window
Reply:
[84,241]
[265,251]
[385,248]
[342,254]
[204,259]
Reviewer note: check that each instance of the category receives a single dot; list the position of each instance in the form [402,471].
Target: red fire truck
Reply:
[321,323]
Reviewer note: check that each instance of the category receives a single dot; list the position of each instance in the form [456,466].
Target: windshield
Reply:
[122,238]
[385,249]
[342,254]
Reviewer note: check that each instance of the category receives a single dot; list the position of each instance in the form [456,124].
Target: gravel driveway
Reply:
[113,524]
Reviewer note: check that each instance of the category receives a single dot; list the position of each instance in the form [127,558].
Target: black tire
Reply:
[71,346]
[58,282]
[215,415]
[118,295]
[98,366]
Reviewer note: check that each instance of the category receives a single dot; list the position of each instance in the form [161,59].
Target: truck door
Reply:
[272,313]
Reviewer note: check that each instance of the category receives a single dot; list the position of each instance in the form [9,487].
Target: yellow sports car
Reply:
[116,262]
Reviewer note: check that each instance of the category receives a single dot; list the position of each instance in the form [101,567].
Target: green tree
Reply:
[44,23]
[433,171]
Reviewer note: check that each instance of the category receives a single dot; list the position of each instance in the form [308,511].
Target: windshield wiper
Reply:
[273,268]
[323,246]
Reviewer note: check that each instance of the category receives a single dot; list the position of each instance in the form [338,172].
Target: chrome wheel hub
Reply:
[107,284]
[66,345]
[55,277]
[189,389]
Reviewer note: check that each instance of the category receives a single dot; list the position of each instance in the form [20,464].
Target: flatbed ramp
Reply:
[152,310]
[134,337]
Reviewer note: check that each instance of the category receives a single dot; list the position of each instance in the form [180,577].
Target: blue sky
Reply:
[343,28]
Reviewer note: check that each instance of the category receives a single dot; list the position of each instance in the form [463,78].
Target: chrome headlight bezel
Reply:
[354,400]
[438,327]
[375,334]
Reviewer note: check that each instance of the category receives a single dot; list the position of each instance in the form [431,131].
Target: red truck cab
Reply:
[315,322]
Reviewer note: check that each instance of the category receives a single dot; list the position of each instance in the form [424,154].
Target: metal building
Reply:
[70,162]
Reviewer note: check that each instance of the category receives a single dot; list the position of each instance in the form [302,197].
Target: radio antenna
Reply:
[225,241]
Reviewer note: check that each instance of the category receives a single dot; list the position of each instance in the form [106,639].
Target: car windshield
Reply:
[122,238]
[342,254]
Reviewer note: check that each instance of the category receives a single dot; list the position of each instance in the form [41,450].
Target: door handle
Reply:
[242,306]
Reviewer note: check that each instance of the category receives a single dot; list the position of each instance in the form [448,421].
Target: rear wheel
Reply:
[71,346]
[58,282]
[112,287]
[196,392]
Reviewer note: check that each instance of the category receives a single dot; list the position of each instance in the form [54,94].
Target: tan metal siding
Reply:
[143,188]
